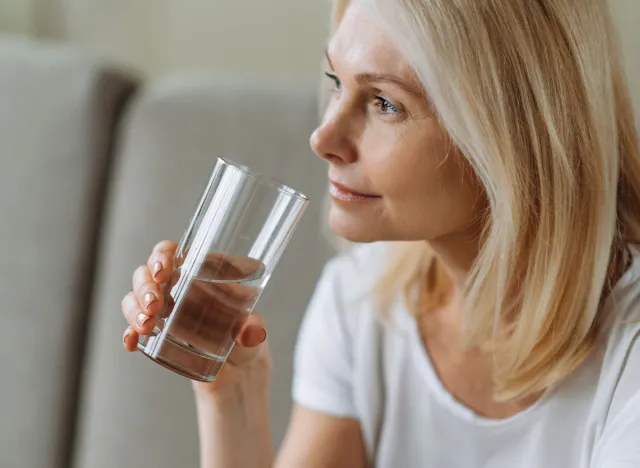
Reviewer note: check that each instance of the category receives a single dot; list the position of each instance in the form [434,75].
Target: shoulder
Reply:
[338,318]
[363,260]
[620,371]
[622,309]
[619,448]
[354,273]
[346,287]
[342,308]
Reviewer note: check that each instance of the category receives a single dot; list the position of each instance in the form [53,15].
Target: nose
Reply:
[334,139]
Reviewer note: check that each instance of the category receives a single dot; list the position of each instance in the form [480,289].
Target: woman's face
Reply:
[394,173]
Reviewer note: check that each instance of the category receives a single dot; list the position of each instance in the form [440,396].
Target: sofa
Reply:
[96,165]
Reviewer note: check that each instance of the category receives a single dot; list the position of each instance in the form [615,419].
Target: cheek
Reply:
[410,164]
[429,190]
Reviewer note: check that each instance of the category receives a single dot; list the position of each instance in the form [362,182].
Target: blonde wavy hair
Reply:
[533,93]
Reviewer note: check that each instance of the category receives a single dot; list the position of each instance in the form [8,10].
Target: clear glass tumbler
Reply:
[224,260]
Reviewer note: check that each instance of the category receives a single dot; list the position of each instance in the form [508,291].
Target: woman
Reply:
[495,138]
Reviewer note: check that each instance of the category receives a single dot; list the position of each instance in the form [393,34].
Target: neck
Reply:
[456,254]
[457,251]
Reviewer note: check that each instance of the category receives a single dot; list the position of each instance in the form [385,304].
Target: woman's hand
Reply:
[248,366]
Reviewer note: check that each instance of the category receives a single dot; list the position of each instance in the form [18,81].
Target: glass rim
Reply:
[270,181]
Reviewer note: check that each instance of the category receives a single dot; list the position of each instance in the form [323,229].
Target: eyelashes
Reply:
[383,106]
[337,84]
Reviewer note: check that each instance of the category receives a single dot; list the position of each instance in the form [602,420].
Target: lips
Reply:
[344,193]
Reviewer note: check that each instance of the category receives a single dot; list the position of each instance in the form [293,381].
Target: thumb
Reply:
[249,341]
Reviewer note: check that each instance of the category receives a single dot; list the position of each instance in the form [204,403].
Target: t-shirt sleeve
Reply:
[620,444]
[322,378]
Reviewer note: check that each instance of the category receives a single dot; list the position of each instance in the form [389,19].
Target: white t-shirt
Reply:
[347,364]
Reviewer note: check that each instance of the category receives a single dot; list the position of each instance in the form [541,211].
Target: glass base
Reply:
[180,359]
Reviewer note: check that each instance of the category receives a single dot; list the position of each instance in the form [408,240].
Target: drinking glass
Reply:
[234,240]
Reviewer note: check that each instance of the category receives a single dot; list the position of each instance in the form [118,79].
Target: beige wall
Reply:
[272,37]
[16,16]
[264,37]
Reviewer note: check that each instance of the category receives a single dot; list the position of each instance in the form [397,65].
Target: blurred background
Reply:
[281,38]
[111,115]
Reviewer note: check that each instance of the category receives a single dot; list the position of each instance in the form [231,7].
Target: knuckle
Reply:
[149,288]
[164,246]
[126,301]
[139,272]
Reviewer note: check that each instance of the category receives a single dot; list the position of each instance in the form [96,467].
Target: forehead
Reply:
[361,46]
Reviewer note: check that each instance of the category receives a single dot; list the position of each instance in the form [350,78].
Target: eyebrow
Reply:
[370,77]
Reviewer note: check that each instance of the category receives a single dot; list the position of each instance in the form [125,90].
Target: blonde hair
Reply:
[533,94]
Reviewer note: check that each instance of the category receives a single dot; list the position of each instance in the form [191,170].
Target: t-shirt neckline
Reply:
[453,405]
[463,412]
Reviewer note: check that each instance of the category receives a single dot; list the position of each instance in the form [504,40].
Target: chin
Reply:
[354,230]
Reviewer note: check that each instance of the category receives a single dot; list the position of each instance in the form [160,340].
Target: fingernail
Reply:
[126,336]
[149,299]
[263,335]
[141,319]
[157,268]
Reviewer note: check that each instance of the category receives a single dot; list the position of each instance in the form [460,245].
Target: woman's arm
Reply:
[317,440]
[233,419]
[235,434]
[234,430]
[324,430]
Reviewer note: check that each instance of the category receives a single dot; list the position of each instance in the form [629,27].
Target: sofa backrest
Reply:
[58,111]
[134,412]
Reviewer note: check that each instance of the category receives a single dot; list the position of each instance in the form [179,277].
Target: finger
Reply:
[246,266]
[229,268]
[239,292]
[249,341]
[252,336]
[130,339]
[136,318]
[219,299]
[148,293]
[175,276]
[160,262]
[252,324]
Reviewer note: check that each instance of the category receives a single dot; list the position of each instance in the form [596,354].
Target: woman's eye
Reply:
[385,106]
[337,85]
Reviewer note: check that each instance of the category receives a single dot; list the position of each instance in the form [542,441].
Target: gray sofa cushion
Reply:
[58,109]
[136,413]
